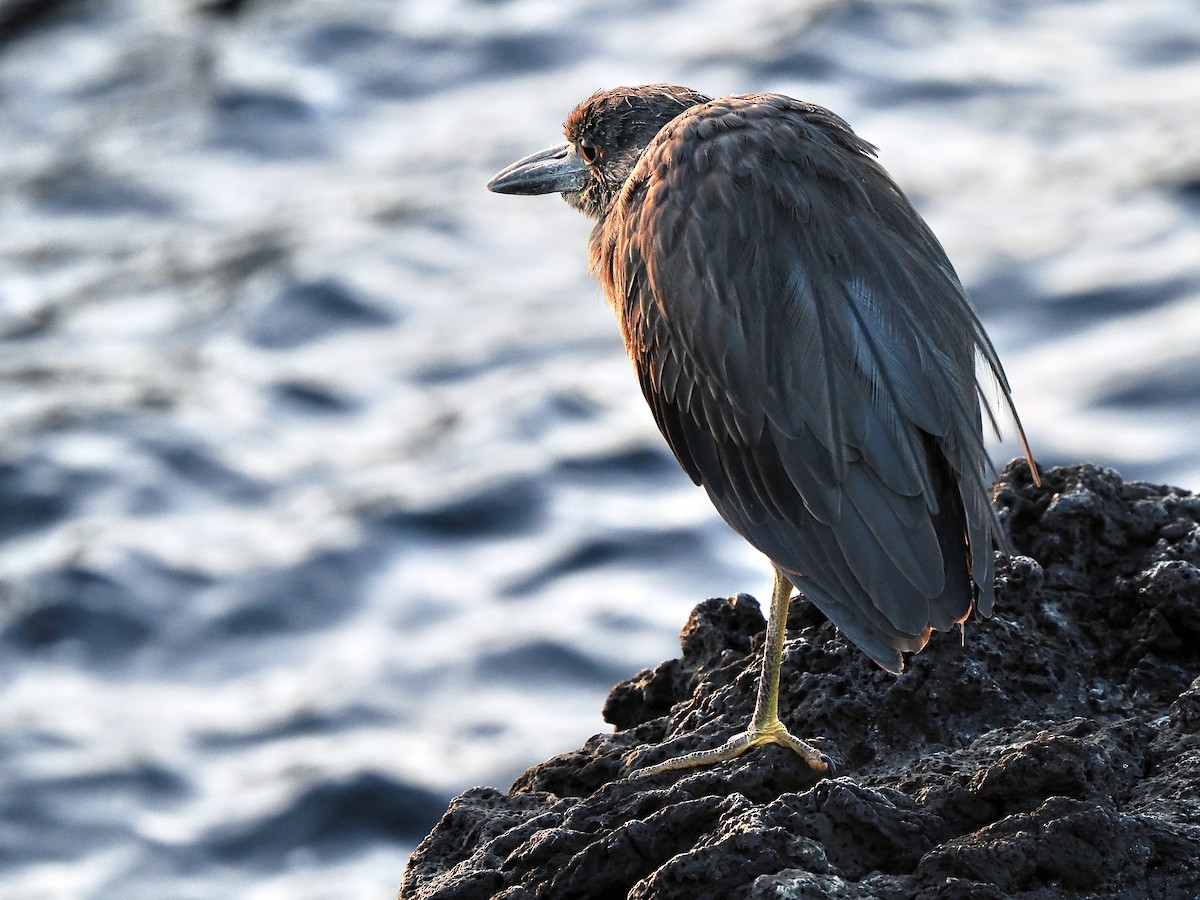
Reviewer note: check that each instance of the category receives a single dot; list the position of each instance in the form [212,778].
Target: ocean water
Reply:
[326,491]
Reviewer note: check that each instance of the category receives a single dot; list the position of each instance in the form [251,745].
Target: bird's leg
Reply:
[765,727]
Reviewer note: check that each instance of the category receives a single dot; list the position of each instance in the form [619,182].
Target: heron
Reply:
[808,353]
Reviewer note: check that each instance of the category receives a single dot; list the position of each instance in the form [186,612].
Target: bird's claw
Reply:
[773,733]
[831,770]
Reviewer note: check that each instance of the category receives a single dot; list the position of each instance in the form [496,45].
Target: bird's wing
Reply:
[809,355]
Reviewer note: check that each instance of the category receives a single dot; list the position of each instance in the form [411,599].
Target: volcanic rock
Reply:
[1052,752]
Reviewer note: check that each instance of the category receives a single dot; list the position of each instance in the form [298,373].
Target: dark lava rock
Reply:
[1055,754]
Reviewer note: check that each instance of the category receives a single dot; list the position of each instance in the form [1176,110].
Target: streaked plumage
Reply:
[803,342]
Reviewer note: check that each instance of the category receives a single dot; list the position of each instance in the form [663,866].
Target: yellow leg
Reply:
[765,727]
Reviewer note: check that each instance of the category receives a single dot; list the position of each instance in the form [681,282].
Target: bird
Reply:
[808,353]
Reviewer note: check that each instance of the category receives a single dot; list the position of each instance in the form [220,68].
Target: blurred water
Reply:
[326,490]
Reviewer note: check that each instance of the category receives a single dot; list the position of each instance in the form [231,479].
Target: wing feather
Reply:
[809,355]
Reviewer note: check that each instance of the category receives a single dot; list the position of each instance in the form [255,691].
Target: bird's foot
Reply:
[771,733]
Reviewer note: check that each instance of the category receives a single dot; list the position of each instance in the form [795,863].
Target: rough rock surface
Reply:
[1056,754]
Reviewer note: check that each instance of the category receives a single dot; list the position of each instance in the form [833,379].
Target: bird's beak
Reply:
[554,170]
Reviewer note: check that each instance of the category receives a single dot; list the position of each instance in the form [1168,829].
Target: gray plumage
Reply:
[803,342]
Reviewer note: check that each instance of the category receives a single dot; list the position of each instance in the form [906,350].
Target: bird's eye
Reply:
[589,152]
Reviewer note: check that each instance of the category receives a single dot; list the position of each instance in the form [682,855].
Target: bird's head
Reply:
[606,135]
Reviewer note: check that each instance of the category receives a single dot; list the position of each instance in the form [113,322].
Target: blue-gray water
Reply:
[326,491]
